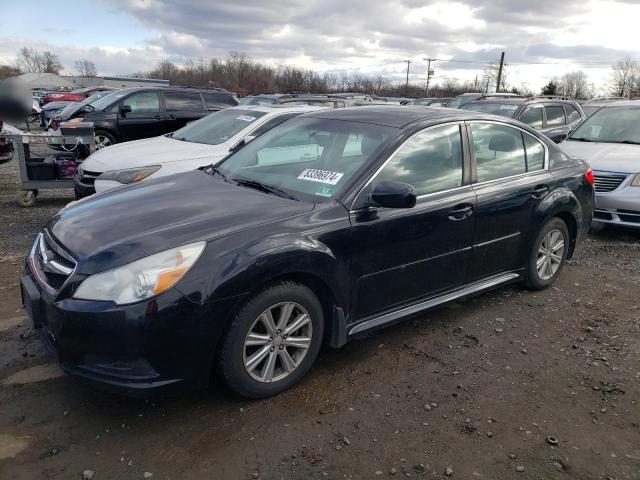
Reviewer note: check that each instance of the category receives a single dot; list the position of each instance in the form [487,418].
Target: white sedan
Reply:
[196,145]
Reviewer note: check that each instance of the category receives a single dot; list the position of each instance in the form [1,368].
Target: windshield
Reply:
[218,127]
[257,101]
[309,158]
[504,109]
[461,100]
[107,100]
[610,125]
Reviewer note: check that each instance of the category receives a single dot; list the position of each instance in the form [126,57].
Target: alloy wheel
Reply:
[102,141]
[550,254]
[277,342]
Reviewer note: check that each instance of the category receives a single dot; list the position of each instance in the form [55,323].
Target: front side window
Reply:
[182,101]
[610,125]
[555,116]
[532,117]
[310,158]
[217,127]
[143,102]
[431,161]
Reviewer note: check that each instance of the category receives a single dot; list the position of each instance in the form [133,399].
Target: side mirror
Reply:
[124,109]
[392,194]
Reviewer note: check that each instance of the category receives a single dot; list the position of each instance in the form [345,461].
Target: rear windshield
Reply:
[610,125]
[504,109]
[218,127]
[257,101]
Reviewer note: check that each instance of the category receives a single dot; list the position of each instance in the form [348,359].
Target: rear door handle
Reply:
[460,212]
[157,117]
[540,191]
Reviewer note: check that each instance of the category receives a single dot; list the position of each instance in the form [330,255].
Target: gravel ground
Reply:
[510,384]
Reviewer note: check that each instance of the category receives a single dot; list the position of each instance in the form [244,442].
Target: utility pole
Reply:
[429,74]
[406,86]
[500,73]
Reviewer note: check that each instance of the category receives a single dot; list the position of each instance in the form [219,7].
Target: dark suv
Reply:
[553,117]
[143,112]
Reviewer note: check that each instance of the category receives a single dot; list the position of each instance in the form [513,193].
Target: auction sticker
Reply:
[321,176]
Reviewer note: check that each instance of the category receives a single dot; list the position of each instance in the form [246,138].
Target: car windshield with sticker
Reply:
[309,158]
[218,127]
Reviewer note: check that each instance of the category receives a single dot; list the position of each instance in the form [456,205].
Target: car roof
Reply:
[622,103]
[400,116]
[279,108]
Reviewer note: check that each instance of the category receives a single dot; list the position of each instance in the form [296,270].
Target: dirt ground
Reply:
[482,389]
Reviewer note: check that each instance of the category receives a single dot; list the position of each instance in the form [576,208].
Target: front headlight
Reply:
[143,278]
[76,120]
[636,181]
[130,175]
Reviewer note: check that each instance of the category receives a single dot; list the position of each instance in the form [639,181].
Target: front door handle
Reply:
[540,191]
[172,117]
[157,117]
[460,212]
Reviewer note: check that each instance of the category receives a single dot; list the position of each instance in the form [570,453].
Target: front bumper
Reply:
[83,187]
[162,345]
[620,207]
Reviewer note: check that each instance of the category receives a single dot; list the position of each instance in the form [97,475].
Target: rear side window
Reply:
[178,101]
[532,117]
[216,101]
[502,151]
[555,116]
[431,161]
[572,114]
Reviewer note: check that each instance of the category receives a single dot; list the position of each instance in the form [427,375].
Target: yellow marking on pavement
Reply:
[39,373]
[10,446]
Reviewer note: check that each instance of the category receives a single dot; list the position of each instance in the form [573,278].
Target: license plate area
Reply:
[31,301]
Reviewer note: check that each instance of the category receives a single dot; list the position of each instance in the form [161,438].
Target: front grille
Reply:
[89,178]
[608,182]
[51,265]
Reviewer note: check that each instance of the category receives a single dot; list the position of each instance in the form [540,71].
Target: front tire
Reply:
[104,139]
[548,255]
[272,341]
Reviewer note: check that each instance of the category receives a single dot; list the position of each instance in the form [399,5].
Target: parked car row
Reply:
[329,224]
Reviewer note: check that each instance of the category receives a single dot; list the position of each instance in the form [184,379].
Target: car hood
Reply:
[149,151]
[123,225]
[610,157]
[56,105]
[70,110]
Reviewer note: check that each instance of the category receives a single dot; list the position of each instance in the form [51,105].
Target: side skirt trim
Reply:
[432,302]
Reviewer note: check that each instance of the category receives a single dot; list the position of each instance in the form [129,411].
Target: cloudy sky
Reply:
[542,38]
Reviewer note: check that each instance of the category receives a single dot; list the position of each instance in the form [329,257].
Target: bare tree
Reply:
[30,60]
[625,78]
[490,78]
[7,71]
[86,68]
[574,85]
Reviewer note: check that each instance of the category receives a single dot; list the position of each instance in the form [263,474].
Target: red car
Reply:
[77,95]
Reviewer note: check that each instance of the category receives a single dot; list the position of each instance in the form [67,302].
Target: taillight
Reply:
[588,176]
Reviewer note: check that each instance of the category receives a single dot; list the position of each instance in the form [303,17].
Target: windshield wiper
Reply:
[218,171]
[630,142]
[581,139]
[263,187]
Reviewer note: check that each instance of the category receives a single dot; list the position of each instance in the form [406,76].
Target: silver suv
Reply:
[610,140]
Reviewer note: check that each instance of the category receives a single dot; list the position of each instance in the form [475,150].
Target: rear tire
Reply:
[548,255]
[272,341]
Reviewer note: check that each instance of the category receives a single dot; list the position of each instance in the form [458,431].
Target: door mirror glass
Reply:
[392,194]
